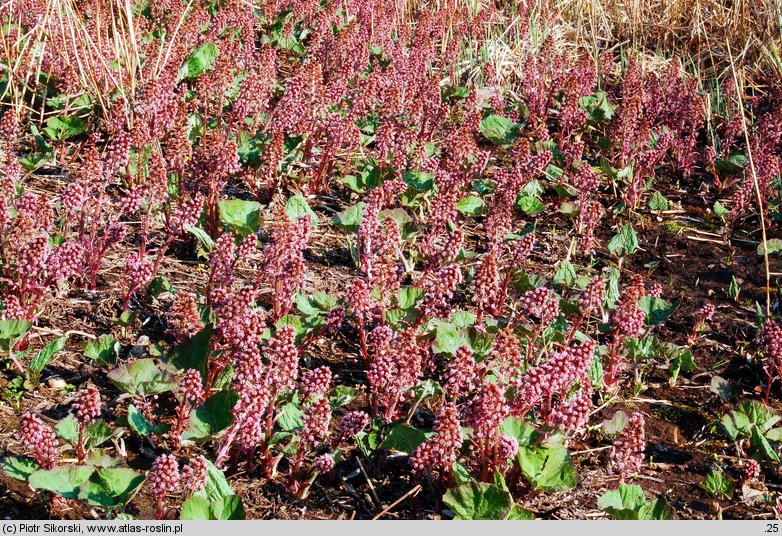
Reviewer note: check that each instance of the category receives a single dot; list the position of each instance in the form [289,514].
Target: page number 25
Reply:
[772,527]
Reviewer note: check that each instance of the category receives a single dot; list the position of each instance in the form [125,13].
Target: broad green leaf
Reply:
[548,468]
[472,205]
[774,246]
[762,447]
[657,310]
[565,274]
[97,433]
[478,500]
[736,425]
[111,488]
[297,207]
[718,483]
[530,204]
[64,480]
[407,297]
[196,508]
[522,431]
[403,438]
[211,417]
[243,217]
[104,350]
[342,395]
[449,338]
[59,128]
[499,130]
[657,202]
[68,429]
[625,242]
[141,425]
[597,107]
[19,467]
[625,502]
[517,513]
[419,180]
[44,356]
[656,510]
[203,238]
[350,218]
[200,60]
[11,331]
[616,424]
[142,377]
[733,164]
[719,209]
[290,417]
[228,507]
[217,486]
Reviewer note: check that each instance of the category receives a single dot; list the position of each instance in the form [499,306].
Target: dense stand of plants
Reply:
[208,132]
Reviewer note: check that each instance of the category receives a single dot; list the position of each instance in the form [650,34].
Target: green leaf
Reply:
[11,331]
[111,488]
[624,502]
[243,217]
[625,242]
[42,359]
[733,164]
[342,395]
[478,500]
[530,204]
[522,431]
[64,480]
[19,467]
[211,417]
[290,418]
[407,297]
[203,238]
[616,424]
[141,425]
[774,246]
[97,433]
[142,377]
[472,205]
[517,513]
[548,468]
[68,429]
[565,274]
[718,483]
[350,218]
[656,510]
[199,61]
[499,130]
[449,338]
[657,202]
[104,350]
[403,438]
[59,128]
[657,310]
[228,507]
[762,447]
[719,209]
[217,486]
[420,180]
[196,508]
[297,207]
[722,388]
[736,425]
[597,107]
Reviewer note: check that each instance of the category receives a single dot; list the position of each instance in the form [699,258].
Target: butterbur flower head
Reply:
[191,386]
[353,423]
[324,463]
[460,375]
[627,453]
[316,382]
[772,336]
[334,319]
[439,452]
[86,404]
[750,471]
[183,317]
[164,476]
[283,359]
[507,447]
[592,297]
[706,313]
[317,417]
[36,436]
[487,410]
[194,475]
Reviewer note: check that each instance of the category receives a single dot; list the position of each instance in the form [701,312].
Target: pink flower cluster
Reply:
[36,436]
[627,453]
